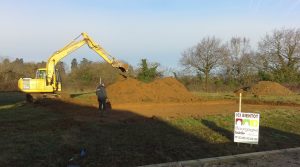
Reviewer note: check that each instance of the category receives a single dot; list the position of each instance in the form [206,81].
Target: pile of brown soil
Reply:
[161,90]
[268,88]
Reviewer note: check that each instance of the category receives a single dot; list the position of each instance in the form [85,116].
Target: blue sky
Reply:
[130,30]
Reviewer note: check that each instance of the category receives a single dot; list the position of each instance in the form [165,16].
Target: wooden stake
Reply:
[240,103]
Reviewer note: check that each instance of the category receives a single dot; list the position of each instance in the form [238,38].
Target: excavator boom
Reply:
[47,79]
[74,45]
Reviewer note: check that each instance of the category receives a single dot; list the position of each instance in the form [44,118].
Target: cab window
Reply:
[40,74]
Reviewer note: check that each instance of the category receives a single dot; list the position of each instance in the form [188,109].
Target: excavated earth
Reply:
[268,88]
[161,90]
[167,97]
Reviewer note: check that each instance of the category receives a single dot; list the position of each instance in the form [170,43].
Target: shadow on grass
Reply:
[269,138]
[51,133]
[8,98]
[222,131]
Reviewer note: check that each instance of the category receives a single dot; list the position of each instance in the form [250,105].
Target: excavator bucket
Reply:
[124,67]
[120,65]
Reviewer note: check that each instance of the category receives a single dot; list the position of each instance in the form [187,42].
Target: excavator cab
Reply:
[40,73]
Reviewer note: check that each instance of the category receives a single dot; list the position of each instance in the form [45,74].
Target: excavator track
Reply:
[37,97]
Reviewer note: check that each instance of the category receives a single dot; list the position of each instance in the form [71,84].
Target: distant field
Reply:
[275,100]
[51,133]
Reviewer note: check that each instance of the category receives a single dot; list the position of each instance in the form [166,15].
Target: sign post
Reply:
[240,103]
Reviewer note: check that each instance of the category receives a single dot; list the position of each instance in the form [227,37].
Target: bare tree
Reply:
[74,65]
[280,53]
[237,63]
[204,57]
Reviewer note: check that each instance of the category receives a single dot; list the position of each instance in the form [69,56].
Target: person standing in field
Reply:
[101,94]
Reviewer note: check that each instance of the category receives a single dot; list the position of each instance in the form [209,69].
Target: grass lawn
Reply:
[37,135]
[274,100]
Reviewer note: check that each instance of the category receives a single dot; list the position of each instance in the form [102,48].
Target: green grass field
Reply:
[37,135]
[274,100]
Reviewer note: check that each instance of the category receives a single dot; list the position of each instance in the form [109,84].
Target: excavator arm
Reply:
[74,45]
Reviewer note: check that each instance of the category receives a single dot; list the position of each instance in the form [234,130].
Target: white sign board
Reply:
[246,128]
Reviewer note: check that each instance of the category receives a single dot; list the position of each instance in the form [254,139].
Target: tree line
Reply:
[277,58]
[211,65]
[83,74]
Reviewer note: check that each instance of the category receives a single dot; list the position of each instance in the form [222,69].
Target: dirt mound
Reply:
[161,90]
[268,88]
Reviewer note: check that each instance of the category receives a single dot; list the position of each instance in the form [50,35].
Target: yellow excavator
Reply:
[48,82]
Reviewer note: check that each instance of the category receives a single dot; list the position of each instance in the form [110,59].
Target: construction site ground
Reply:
[176,110]
[52,132]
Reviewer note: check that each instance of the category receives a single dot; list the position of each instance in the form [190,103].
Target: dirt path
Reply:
[164,110]
[176,110]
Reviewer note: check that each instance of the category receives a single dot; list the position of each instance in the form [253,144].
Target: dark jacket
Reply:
[100,92]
